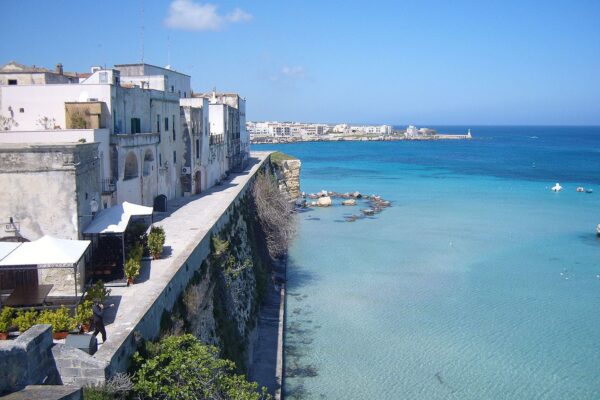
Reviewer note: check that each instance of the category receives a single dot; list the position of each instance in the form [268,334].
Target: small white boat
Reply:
[580,189]
[557,187]
[589,191]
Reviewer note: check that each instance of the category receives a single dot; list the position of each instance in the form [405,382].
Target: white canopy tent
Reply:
[7,247]
[46,252]
[115,219]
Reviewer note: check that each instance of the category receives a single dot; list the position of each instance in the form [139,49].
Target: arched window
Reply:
[148,162]
[131,166]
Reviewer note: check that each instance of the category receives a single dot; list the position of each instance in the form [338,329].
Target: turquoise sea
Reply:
[478,283]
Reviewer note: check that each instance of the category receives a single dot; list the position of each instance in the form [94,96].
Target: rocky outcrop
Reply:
[349,202]
[288,175]
[324,201]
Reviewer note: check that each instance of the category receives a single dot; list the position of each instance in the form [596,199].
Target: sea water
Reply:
[478,282]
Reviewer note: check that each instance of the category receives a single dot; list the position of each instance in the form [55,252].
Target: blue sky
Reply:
[396,62]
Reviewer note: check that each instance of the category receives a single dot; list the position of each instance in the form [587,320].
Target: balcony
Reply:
[108,186]
[135,139]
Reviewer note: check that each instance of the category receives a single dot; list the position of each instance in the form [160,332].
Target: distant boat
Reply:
[580,189]
[557,187]
[533,137]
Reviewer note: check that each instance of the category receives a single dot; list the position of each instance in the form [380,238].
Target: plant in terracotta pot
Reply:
[133,265]
[156,241]
[132,269]
[25,320]
[84,314]
[6,321]
[97,292]
[61,321]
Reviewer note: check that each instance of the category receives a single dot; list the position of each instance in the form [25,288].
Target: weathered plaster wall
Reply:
[47,190]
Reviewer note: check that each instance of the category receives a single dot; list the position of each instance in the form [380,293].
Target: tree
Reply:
[181,367]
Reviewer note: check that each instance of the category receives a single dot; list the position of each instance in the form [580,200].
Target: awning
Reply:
[115,219]
[46,250]
[7,247]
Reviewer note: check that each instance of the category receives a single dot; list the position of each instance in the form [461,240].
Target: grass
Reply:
[279,157]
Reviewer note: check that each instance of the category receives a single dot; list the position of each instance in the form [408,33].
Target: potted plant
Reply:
[132,269]
[6,319]
[62,323]
[25,320]
[97,292]
[84,314]
[156,241]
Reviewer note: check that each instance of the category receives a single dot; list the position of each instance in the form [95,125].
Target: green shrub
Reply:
[25,320]
[6,319]
[83,312]
[132,268]
[156,241]
[60,319]
[97,292]
[181,367]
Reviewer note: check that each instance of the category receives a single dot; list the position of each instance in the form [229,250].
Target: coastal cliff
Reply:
[287,170]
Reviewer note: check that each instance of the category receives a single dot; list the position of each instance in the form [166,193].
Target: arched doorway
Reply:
[131,167]
[198,182]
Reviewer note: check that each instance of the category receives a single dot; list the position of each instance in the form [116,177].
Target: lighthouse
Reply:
[469,134]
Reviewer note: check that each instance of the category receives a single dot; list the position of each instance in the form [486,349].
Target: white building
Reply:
[145,129]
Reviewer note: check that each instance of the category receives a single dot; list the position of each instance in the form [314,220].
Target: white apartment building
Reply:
[143,125]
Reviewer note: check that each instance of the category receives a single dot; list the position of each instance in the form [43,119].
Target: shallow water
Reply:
[478,283]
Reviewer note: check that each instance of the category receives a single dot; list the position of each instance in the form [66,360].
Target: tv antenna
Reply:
[142,30]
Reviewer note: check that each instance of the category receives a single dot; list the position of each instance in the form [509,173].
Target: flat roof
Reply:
[151,65]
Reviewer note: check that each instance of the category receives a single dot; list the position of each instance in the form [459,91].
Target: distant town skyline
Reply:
[426,63]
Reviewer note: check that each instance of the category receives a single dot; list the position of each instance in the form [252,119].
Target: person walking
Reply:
[98,310]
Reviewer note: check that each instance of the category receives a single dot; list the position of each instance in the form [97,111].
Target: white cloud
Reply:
[289,73]
[238,15]
[191,16]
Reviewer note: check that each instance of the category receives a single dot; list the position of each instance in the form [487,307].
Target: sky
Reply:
[394,62]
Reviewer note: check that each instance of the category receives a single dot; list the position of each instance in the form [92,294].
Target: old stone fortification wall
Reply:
[27,360]
[214,296]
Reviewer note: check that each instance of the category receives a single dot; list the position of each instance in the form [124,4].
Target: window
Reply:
[136,126]
[148,161]
[160,159]
[184,94]
[172,88]
[166,124]
[158,123]
[174,135]
[174,157]
[21,110]
[12,82]
[197,148]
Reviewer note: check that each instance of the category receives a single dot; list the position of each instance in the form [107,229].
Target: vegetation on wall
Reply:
[275,212]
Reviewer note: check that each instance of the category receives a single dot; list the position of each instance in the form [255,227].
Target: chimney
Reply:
[59,69]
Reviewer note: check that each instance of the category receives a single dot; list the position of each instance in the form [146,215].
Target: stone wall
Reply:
[27,360]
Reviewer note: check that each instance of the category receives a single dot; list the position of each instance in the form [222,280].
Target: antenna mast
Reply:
[142,30]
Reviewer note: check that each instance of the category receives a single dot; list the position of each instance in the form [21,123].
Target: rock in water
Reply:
[324,201]
[350,202]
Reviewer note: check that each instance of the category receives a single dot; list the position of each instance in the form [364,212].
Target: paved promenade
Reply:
[187,222]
